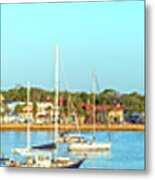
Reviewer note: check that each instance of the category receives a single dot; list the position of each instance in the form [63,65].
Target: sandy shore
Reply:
[50,127]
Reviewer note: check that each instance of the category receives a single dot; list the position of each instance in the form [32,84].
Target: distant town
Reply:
[111,107]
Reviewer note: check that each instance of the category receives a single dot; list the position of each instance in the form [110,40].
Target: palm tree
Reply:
[35,110]
[7,111]
[48,110]
[2,116]
[18,109]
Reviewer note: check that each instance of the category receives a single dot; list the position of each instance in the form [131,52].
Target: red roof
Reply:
[118,107]
[27,111]
[41,116]
[102,108]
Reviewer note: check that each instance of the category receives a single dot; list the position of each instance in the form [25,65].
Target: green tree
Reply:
[49,110]
[18,109]
[35,110]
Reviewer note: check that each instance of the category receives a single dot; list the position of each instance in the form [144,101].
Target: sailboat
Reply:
[27,149]
[65,136]
[68,137]
[61,161]
[40,158]
[91,146]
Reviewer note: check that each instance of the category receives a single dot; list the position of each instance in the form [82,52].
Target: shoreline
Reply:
[61,127]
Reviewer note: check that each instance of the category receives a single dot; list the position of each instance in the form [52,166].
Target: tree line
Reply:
[133,102]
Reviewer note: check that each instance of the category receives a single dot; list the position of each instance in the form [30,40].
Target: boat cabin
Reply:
[30,158]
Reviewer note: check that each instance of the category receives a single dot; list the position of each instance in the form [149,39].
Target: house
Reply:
[44,110]
[116,113]
[26,112]
[12,105]
[102,114]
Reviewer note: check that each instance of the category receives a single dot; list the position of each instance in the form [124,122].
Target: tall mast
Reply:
[56,98]
[94,105]
[28,120]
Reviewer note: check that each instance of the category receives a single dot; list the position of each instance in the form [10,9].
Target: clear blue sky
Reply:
[108,36]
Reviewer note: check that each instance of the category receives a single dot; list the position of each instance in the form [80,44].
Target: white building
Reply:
[44,110]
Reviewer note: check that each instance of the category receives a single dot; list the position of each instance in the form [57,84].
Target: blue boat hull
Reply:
[77,165]
[49,146]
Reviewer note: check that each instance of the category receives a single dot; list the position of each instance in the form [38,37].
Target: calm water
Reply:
[127,150]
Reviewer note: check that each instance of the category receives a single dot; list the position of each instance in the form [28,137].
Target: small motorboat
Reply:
[70,138]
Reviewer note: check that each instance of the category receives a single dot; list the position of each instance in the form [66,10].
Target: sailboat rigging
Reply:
[91,146]
[68,137]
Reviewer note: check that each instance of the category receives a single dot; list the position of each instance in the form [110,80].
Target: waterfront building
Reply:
[116,114]
[26,112]
[45,110]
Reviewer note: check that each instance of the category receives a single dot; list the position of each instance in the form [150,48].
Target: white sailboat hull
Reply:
[90,147]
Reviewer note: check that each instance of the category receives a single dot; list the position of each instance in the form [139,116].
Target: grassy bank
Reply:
[45,127]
